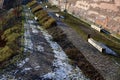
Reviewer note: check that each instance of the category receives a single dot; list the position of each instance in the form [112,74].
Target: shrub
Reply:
[37,13]
[36,9]
[8,32]
[11,32]
[41,14]
[7,19]
[30,4]
[42,21]
[58,35]
[12,37]
[51,22]
[43,17]
[72,53]
[5,53]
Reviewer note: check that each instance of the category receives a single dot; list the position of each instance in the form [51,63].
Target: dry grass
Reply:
[11,36]
[5,53]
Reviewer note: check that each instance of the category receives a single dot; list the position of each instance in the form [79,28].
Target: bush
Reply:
[51,22]
[43,17]
[30,4]
[10,36]
[41,14]
[36,9]
[42,21]
[72,53]
[16,29]
[8,19]
[5,53]
[5,18]
[11,31]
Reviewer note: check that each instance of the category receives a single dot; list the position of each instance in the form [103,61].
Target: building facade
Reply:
[1,3]
[102,12]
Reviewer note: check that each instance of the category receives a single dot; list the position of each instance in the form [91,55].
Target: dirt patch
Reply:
[74,54]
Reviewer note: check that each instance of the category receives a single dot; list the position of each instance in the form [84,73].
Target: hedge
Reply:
[44,19]
[37,8]
[30,4]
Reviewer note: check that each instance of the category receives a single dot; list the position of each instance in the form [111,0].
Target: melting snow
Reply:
[63,70]
[34,30]
[30,21]
[21,64]
[26,69]
[6,77]
[37,67]
[27,37]
[40,48]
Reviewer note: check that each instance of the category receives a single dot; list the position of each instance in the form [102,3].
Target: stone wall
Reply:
[101,12]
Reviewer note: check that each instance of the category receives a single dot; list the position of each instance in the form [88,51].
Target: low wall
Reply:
[96,45]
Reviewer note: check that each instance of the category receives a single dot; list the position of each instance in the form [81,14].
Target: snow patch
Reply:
[27,14]
[27,37]
[26,69]
[6,77]
[34,30]
[37,67]
[40,48]
[21,64]
[62,69]
[30,21]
